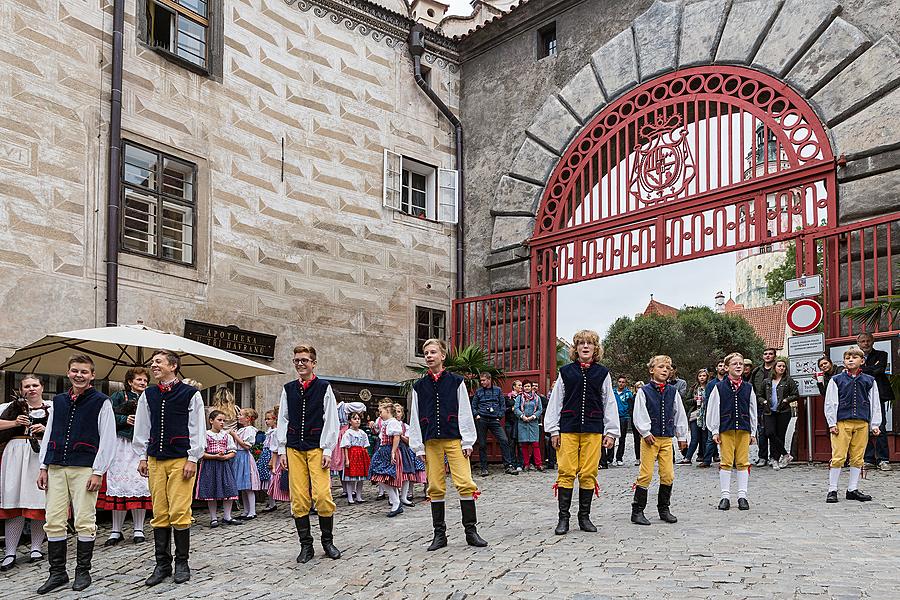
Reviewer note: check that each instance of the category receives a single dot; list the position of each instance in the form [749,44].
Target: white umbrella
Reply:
[117,349]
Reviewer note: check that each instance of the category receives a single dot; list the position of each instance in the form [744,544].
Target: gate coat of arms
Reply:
[664,165]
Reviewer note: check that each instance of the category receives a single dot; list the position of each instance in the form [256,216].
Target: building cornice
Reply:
[383,25]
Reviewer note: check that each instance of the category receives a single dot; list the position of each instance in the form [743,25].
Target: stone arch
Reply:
[850,80]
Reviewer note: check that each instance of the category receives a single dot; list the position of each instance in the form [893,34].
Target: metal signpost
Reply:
[803,287]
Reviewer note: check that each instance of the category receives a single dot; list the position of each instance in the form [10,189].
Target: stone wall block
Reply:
[656,38]
[869,197]
[553,124]
[511,231]
[511,277]
[516,196]
[583,94]
[862,82]
[870,131]
[616,64]
[747,25]
[837,47]
[700,26]
[533,162]
[797,26]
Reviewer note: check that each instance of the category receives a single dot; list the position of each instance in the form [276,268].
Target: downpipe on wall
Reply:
[115,160]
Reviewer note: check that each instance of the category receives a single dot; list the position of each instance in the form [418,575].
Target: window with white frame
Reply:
[420,190]
[180,27]
[431,323]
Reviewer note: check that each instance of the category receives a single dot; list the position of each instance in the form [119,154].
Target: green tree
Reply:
[696,337]
[776,277]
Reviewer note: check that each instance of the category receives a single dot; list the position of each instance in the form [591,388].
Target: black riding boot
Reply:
[584,510]
[564,495]
[469,521]
[440,526]
[306,541]
[638,506]
[84,552]
[162,550]
[665,497]
[56,556]
[326,524]
[182,551]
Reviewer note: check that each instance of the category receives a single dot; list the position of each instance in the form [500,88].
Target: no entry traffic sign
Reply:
[804,315]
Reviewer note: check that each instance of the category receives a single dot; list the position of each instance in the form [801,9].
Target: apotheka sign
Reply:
[231,339]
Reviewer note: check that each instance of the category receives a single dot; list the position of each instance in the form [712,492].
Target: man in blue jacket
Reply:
[488,406]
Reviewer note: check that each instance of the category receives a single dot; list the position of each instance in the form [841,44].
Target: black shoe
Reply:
[394,513]
[114,539]
[84,552]
[584,510]
[743,504]
[232,522]
[326,524]
[56,555]
[564,495]
[440,526]
[32,558]
[162,551]
[138,537]
[470,522]
[638,505]
[306,541]
[604,466]
[511,470]
[857,495]
[269,509]
[831,498]
[485,472]
[724,504]
[406,502]
[662,504]
[182,552]
[6,567]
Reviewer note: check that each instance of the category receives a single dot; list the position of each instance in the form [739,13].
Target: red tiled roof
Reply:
[769,322]
[658,308]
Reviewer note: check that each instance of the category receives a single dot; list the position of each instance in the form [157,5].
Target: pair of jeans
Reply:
[877,448]
[512,434]
[483,425]
[698,438]
[776,426]
[635,434]
[624,424]
[551,452]
[710,451]
[762,439]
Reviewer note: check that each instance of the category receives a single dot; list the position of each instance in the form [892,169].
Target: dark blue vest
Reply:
[853,396]
[306,414]
[582,409]
[439,406]
[169,417]
[734,408]
[75,431]
[661,408]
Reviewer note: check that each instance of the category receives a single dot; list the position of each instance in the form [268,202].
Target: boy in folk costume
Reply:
[307,432]
[441,425]
[170,437]
[77,448]
[731,420]
[852,409]
[658,416]
[582,415]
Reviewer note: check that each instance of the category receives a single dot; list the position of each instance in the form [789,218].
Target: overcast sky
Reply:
[596,304]
[459,7]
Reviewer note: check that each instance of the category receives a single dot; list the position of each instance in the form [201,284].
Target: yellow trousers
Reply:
[67,485]
[309,481]
[661,452]
[578,456]
[852,436]
[734,449]
[170,492]
[460,469]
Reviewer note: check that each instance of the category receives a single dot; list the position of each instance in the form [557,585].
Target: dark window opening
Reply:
[179,27]
[547,41]
[430,323]
[414,194]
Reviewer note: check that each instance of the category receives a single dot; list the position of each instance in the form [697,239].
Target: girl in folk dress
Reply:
[413,466]
[279,489]
[264,462]
[215,481]
[344,410]
[386,468]
[124,488]
[245,474]
[354,444]
[20,497]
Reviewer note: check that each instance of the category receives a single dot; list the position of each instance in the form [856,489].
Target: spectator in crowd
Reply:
[528,410]
[710,449]
[827,370]
[748,369]
[758,377]
[510,424]
[875,364]
[488,405]
[625,403]
[780,390]
[679,383]
[693,402]
[635,434]
[550,451]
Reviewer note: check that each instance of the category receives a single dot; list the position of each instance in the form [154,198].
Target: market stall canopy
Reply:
[117,349]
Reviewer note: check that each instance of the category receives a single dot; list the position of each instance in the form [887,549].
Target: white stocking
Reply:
[743,478]
[37,535]
[118,519]
[359,490]
[393,497]
[854,479]
[834,474]
[137,517]
[14,527]
[249,503]
[213,506]
[226,509]
[404,491]
[725,483]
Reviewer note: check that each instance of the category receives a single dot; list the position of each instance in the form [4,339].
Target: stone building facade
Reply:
[276,151]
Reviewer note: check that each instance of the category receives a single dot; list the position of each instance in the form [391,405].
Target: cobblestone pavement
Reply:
[789,545]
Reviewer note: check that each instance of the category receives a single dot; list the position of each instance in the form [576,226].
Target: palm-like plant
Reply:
[886,308]
[467,361]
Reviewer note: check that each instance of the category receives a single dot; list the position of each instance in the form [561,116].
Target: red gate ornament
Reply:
[804,315]
[664,165]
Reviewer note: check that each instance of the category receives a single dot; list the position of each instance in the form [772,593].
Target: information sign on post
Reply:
[803,287]
[813,343]
[804,315]
[804,365]
[807,386]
